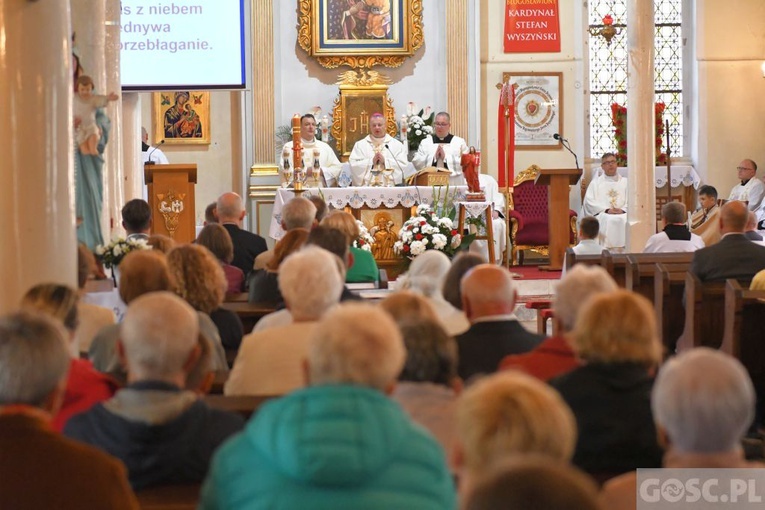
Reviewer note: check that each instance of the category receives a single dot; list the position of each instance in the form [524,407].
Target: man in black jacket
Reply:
[734,256]
[488,299]
[247,246]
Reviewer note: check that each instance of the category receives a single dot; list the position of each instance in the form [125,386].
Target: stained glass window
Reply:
[608,71]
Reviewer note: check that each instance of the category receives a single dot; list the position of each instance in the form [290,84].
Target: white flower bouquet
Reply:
[428,231]
[112,254]
[419,124]
[365,240]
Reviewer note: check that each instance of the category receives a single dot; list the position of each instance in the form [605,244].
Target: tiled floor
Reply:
[532,289]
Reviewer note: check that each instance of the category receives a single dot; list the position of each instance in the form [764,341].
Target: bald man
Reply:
[164,434]
[488,300]
[247,246]
[734,256]
[377,148]
[750,189]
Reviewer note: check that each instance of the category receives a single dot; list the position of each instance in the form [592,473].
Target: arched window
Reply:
[608,71]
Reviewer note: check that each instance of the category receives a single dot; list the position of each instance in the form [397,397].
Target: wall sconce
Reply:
[608,31]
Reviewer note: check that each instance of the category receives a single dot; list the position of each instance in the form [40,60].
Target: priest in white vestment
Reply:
[491,189]
[751,189]
[442,148]
[377,147]
[330,165]
[606,199]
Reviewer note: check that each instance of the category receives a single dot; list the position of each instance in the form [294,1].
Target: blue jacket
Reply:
[330,447]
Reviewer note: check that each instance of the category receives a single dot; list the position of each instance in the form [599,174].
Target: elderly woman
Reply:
[264,283]
[200,281]
[216,238]
[462,263]
[364,268]
[506,415]
[615,337]
[700,419]
[426,276]
[85,386]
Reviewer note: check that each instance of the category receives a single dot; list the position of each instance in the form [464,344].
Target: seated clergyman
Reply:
[377,150]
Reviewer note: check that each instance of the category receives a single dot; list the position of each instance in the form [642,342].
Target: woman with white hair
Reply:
[426,276]
[699,419]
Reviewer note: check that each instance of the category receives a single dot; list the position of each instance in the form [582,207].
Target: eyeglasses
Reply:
[609,162]
[441,124]
[739,168]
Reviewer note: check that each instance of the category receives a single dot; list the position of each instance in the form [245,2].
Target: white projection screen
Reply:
[182,44]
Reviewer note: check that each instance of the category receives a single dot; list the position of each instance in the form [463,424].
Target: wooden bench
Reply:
[588,260]
[704,312]
[249,313]
[172,497]
[640,270]
[669,288]
[544,314]
[245,405]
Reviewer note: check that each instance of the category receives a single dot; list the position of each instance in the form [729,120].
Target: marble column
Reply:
[132,162]
[640,124]
[37,239]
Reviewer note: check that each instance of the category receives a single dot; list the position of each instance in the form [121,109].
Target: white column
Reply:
[37,239]
[640,124]
[132,163]
[114,181]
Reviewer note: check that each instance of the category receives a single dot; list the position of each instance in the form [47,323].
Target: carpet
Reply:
[533,273]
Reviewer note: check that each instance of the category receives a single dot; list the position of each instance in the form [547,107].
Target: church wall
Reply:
[218,162]
[730,49]
[494,62]
[301,83]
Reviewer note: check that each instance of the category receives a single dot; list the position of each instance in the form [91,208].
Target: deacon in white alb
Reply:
[442,146]
[330,165]
[377,147]
[606,199]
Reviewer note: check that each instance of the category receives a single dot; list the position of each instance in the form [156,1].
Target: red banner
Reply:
[506,136]
[532,26]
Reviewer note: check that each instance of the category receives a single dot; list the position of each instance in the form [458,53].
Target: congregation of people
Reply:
[436,396]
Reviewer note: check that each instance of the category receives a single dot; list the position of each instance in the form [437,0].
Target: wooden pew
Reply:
[173,497]
[704,312]
[244,405]
[249,313]
[589,260]
[639,273]
[669,288]
[616,265]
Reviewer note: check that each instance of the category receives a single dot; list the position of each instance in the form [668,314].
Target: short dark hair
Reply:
[452,287]
[136,215]
[210,213]
[590,227]
[332,240]
[607,155]
[216,238]
[673,212]
[431,354]
[307,116]
[708,190]
[321,207]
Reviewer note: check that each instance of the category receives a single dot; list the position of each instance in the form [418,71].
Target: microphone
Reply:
[397,163]
[565,144]
[148,156]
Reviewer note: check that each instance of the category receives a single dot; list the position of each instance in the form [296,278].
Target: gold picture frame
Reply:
[360,34]
[538,109]
[181,117]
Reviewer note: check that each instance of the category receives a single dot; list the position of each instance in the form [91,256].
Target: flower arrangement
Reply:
[619,120]
[112,254]
[419,124]
[428,231]
[365,240]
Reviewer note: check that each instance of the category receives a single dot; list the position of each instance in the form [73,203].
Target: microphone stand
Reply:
[148,156]
[397,163]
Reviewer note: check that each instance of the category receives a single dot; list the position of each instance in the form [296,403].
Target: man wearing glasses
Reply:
[750,189]
[606,199]
[442,150]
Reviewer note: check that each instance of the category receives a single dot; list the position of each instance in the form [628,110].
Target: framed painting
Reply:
[181,117]
[343,32]
[538,109]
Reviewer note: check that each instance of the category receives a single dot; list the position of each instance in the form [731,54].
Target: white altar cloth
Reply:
[373,197]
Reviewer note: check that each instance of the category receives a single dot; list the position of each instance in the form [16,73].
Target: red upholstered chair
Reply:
[528,217]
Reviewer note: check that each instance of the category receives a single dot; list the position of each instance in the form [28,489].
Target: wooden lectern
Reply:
[171,198]
[558,180]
